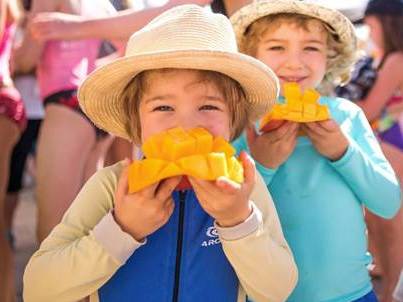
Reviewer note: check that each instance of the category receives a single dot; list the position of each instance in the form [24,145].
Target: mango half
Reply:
[301,108]
[177,152]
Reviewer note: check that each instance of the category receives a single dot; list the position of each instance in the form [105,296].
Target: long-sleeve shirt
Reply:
[87,250]
[320,205]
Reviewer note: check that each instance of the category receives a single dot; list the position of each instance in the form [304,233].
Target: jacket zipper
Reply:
[182,197]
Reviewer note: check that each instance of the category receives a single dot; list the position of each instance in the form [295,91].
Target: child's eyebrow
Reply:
[159,98]
[286,40]
[213,98]
[274,40]
[314,41]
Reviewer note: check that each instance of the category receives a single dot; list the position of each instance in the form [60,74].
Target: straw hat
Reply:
[336,21]
[187,37]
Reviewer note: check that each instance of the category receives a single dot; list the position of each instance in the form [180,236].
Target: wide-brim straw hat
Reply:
[338,23]
[185,37]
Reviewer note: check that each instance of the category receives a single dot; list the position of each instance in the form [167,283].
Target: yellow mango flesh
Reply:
[301,108]
[221,145]
[204,140]
[177,152]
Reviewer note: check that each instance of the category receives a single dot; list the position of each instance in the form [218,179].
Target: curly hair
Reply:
[340,59]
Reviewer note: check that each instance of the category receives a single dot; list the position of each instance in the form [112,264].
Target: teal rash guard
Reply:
[320,205]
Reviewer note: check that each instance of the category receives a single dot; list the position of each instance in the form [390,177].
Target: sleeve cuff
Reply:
[250,225]
[117,242]
[346,157]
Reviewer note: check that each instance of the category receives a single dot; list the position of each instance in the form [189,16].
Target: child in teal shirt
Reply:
[320,181]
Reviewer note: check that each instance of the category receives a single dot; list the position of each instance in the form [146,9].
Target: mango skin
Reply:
[272,125]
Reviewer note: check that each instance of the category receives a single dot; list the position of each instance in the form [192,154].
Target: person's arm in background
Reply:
[3,16]
[9,12]
[27,54]
[118,27]
[389,78]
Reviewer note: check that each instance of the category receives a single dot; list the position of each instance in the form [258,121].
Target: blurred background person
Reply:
[70,147]
[377,86]
[12,123]
[26,85]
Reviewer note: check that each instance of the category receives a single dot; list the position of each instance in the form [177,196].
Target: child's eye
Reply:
[275,48]
[312,48]
[209,107]
[163,108]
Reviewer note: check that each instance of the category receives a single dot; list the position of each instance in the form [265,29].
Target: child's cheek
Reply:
[218,125]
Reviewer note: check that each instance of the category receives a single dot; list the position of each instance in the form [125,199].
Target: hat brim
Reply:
[339,23]
[100,95]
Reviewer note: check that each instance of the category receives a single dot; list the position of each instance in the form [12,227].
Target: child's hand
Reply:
[273,148]
[228,202]
[142,213]
[327,138]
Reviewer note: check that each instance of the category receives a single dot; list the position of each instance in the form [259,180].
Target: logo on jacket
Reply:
[213,237]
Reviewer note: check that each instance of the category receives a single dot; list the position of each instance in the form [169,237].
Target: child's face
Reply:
[294,53]
[375,28]
[180,98]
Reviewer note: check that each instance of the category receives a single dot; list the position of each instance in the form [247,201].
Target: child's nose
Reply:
[294,61]
[187,121]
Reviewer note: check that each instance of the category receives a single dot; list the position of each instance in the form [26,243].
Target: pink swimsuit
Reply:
[65,64]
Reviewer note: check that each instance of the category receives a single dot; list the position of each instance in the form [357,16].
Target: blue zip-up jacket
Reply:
[190,258]
[182,261]
[320,202]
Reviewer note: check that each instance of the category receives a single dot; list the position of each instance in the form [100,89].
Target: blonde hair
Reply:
[340,59]
[232,92]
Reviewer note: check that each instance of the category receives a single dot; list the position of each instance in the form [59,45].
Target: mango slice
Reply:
[177,152]
[301,108]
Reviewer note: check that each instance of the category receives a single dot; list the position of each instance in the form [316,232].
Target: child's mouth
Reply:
[292,79]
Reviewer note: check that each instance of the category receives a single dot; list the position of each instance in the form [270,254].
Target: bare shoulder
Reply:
[393,66]
[394,61]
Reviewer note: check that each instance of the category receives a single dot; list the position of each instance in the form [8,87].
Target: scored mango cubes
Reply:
[302,108]
[176,152]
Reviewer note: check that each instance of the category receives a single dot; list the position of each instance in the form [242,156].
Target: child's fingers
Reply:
[249,169]
[292,132]
[314,128]
[201,185]
[294,126]
[313,136]
[283,130]
[169,207]
[227,185]
[123,183]
[149,191]
[199,190]
[166,187]
[328,125]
